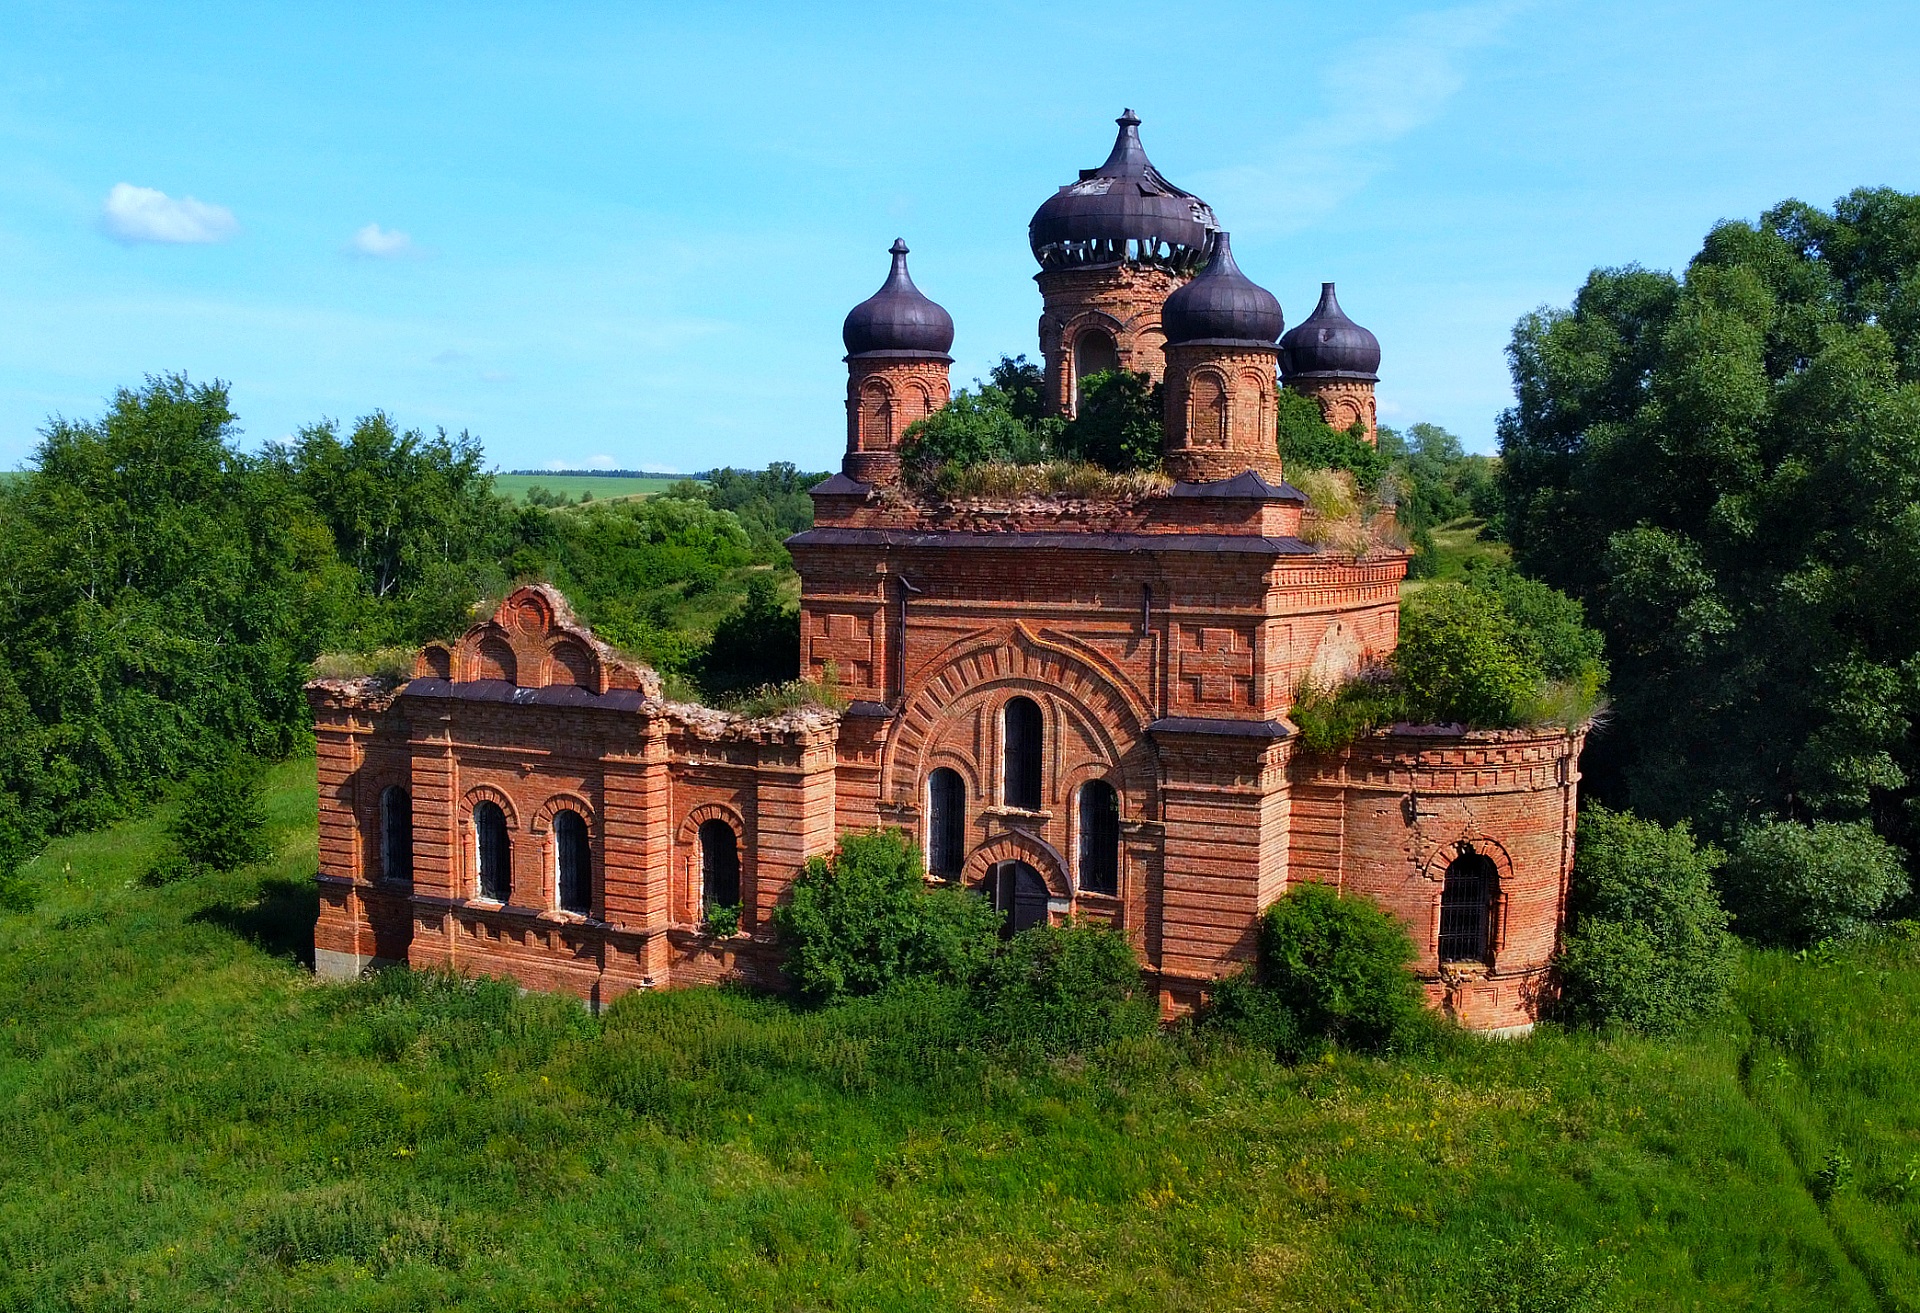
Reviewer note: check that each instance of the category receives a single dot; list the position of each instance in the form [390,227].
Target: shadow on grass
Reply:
[279,921]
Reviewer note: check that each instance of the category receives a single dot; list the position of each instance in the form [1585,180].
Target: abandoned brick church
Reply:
[1078,705]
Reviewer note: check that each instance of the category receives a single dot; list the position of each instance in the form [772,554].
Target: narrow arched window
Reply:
[493,851]
[1099,838]
[573,862]
[1094,352]
[396,833]
[719,865]
[946,822]
[1466,908]
[1020,775]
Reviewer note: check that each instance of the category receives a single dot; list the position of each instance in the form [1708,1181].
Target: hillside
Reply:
[194,1123]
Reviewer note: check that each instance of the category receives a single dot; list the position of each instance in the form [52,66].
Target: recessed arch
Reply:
[573,862]
[493,658]
[396,833]
[569,662]
[1206,409]
[1023,730]
[1469,902]
[1097,822]
[946,822]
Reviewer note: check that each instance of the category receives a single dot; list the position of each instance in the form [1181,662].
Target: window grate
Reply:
[1466,908]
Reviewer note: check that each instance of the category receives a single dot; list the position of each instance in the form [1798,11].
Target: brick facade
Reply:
[1077,705]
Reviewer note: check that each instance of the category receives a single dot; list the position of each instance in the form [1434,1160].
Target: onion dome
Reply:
[1330,345]
[898,320]
[1123,212]
[1222,305]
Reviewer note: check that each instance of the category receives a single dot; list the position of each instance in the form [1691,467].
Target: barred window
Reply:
[946,822]
[493,851]
[1099,838]
[1020,779]
[573,861]
[719,865]
[396,833]
[1466,908]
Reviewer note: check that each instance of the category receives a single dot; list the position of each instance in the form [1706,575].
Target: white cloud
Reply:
[142,214]
[381,243]
[601,463]
[1380,90]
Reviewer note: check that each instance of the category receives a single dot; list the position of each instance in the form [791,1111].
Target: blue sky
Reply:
[627,234]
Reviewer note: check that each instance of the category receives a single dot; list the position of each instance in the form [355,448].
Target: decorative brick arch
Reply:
[686,851]
[488,654]
[1208,407]
[1338,655]
[572,802]
[1251,410]
[1434,871]
[874,410]
[965,767]
[479,793]
[1019,846]
[994,668]
[570,662]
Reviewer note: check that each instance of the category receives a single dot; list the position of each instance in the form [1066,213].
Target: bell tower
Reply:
[1112,246]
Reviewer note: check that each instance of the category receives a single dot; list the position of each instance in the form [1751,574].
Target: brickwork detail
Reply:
[1088,312]
[884,395]
[1343,401]
[1220,412]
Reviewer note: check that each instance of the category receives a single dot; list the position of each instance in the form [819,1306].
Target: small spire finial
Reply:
[899,247]
[1128,119]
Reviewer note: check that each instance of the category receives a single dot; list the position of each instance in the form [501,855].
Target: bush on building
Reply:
[977,427]
[1065,989]
[1332,970]
[1647,944]
[221,824]
[1306,441]
[865,919]
[1792,885]
[1118,425]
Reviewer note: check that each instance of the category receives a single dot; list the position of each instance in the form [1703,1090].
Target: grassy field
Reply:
[514,486]
[191,1122]
[1457,543]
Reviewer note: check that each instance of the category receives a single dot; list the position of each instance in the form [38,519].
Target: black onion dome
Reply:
[1123,211]
[1330,345]
[1222,304]
[898,320]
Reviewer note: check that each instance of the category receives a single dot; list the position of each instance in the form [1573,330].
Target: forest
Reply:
[1696,540]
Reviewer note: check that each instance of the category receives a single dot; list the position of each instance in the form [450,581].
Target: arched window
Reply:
[1099,838]
[719,865]
[946,822]
[1020,777]
[396,833]
[1093,353]
[493,851]
[573,862]
[1019,895]
[1466,908]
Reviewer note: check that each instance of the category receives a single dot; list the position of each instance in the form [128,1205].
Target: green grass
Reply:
[191,1122]
[514,486]
[1458,542]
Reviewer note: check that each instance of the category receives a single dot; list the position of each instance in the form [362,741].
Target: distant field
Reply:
[514,486]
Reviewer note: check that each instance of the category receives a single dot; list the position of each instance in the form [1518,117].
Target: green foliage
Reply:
[1329,719]
[771,504]
[977,427]
[757,645]
[865,919]
[1533,1272]
[223,816]
[1065,989]
[1459,659]
[722,922]
[1724,467]
[1795,884]
[1332,970]
[1440,482]
[1307,442]
[1024,385]
[1118,424]
[1647,943]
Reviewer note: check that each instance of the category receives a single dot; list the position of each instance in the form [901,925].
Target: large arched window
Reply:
[1099,838]
[573,862]
[719,865]
[1020,775]
[946,822]
[493,851]
[396,833]
[1466,908]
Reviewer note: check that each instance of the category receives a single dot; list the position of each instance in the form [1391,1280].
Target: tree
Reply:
[1796,885]
[1724,468]
[758,644]
[1024,385]
[976,427]
[1118,424]
[1305,440]
[1647,943]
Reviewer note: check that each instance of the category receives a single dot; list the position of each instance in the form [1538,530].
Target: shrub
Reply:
[1647,943]
[223,817]
[865,919]
[1458,659]
[1795,884]
[1332,969]
[1118,424]
[722,922]
[1065,989]
[1305,441]
[1329,719]
[758,644]
[977,427]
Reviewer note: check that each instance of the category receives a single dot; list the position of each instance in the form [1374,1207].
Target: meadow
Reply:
[192,1122]
[514,486]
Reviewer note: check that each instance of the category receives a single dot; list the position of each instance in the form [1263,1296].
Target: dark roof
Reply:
[1247,485]
[499,690]
[1239,729]
[1242,543]
[839,485]
[898,320]
[1222,305]
[1329,345]
[1123,211]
